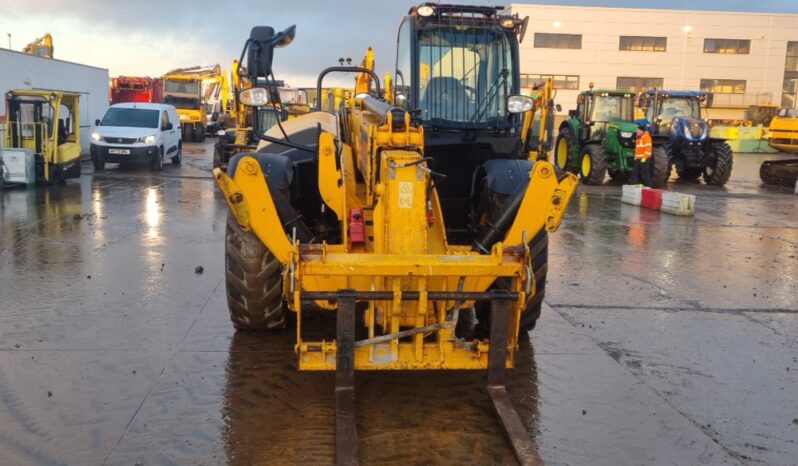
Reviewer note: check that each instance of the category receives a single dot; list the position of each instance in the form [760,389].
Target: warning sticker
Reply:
[405,194]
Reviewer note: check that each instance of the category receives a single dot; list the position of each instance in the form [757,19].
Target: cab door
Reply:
[168,133]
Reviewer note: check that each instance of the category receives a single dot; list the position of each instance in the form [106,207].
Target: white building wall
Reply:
[22,71]
[684,63]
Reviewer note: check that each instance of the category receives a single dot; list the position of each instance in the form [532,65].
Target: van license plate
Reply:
[119,151]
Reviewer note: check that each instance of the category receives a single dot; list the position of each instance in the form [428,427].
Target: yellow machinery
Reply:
[182,87]
[407,220]
[42,46]
[292,103]
[538,129]
[218,105]
[783,136]
[48,123]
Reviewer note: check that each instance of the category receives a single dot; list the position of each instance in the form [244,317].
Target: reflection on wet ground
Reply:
[668,340]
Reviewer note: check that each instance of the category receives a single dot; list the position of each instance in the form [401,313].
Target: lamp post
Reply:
[9,40]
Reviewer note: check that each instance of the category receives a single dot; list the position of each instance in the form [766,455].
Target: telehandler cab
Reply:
[405,212]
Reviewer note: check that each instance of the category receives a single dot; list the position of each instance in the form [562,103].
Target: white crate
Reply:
[632,194]
[19,166]
[678,203]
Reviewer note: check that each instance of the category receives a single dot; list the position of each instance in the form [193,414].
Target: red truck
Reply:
[136,89]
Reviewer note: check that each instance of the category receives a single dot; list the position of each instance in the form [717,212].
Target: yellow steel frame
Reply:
[406,248]
[54,150]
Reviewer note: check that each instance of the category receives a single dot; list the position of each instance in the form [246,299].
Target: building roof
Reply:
[9,51]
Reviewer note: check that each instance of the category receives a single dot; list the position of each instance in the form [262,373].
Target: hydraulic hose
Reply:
[497,230]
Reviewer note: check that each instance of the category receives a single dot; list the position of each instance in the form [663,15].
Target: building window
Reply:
[789,93]
[738,46]
[723,86]
[643,44]
[559,81]
[638,84]
[558,41]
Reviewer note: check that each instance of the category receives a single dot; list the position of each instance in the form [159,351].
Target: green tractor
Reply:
[599,138]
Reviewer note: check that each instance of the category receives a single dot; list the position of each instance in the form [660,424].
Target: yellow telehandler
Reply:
[405,214]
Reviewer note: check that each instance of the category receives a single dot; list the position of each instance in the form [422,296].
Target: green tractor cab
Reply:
[599,138]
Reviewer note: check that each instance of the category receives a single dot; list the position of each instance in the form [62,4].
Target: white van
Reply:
[137,132]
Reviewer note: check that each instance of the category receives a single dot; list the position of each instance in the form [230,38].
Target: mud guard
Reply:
[506,176]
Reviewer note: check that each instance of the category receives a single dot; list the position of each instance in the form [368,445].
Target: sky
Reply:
[150,37]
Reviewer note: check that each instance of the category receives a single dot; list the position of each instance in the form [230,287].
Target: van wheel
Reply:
[179,157]
[98,162]
[156,164]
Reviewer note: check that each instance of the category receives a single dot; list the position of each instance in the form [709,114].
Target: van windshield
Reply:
[131,117]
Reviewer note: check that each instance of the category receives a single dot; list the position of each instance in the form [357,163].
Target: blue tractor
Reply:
[676,122]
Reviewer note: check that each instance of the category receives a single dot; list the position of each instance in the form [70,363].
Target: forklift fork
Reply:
[346,449]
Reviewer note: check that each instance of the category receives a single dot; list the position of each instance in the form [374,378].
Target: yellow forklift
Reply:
[48,124]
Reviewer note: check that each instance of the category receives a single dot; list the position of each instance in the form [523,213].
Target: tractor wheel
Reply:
[593,165]
[254,281]
[660,167]
[562,151]
[689,173]
[718,172]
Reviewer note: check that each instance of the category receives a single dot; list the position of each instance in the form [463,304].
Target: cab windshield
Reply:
[465,75]
[672,107]
[612,107]
[130,118]
[181,87]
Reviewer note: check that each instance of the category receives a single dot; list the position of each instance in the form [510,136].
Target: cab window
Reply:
[164,120]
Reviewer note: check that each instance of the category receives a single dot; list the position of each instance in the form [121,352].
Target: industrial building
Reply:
[26,71]
[745,59]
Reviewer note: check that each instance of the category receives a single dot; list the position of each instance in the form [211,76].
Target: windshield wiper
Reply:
[491,94]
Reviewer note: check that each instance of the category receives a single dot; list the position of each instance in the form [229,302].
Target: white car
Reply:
[137,132]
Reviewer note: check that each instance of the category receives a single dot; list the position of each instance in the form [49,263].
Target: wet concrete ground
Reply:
[668,340]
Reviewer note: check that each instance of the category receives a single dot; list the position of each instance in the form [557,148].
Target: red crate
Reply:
[651,199]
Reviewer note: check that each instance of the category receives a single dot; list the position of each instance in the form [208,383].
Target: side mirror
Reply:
[261,47]
[558,107]
[167,126]
[97,122]
[573,114]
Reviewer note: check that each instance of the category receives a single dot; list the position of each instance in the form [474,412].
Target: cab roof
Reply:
[677,93]
[611,91]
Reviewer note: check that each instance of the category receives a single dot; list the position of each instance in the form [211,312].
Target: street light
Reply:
[9,40]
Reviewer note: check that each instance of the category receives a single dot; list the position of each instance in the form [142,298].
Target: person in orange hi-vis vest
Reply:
[643,149]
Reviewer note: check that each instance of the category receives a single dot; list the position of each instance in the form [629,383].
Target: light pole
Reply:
[9,40]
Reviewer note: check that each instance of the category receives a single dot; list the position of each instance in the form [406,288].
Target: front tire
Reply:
[593,165]
[177,159]
[156,163]
[720,168]
[98,162]
[254,281]
[660,167]
[562,151]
